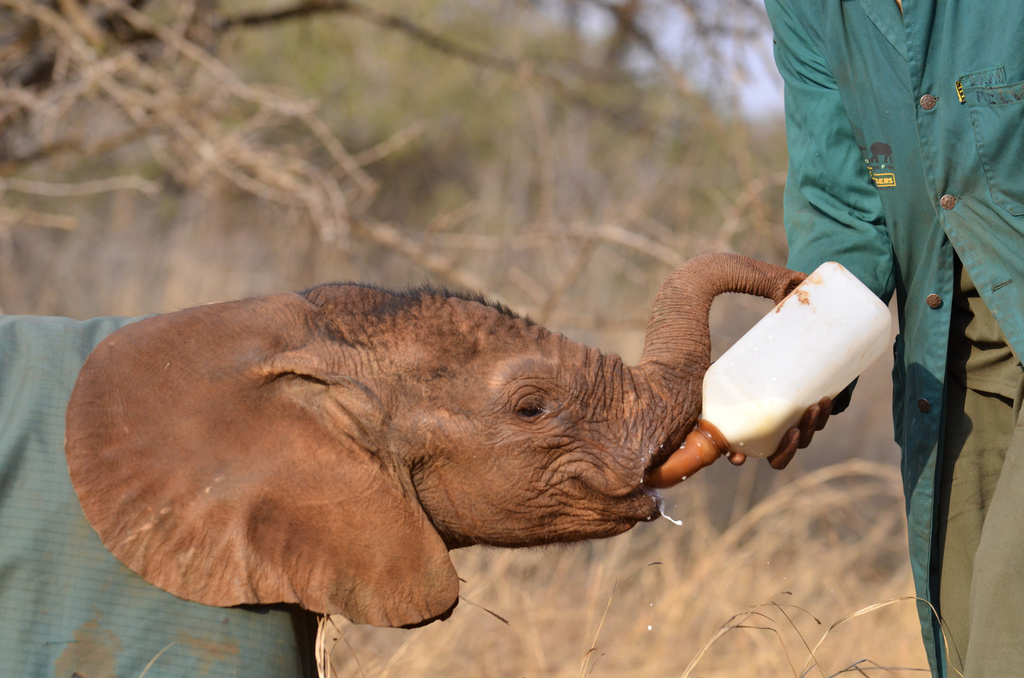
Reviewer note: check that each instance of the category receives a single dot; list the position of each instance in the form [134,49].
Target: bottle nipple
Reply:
[703,445]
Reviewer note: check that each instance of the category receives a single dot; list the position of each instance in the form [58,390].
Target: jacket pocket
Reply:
[997,116]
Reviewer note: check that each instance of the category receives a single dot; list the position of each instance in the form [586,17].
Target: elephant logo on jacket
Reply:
[880,165]
[880,152]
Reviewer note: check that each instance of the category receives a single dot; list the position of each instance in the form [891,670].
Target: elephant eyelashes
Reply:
[530,406]
[530,411]
[531,399]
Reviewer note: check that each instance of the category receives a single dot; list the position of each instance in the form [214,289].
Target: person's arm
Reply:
[831,210]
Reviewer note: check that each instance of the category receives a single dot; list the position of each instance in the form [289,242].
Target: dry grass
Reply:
[695,600]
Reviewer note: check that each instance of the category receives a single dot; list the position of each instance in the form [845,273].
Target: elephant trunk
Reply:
[677,349]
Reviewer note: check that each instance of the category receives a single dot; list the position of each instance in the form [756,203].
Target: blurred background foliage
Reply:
[534,150]
[561,156]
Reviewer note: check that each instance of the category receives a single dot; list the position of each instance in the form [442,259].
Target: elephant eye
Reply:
[530,398]
[530,410]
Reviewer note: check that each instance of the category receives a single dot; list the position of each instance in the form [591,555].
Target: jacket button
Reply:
[924,406]
[947,202]
[928,102]
[933,301]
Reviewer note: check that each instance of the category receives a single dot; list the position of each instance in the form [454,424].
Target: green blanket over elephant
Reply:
[67,606]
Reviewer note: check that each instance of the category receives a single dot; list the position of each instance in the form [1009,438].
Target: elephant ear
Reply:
[219,453]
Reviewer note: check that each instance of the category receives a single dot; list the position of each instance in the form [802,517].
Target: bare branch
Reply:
[394,22]
[60,222]
[82,188]
[393,238]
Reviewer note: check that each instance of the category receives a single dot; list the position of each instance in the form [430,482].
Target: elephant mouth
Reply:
[659,502]
[643,504]
[638,503]
[628,489]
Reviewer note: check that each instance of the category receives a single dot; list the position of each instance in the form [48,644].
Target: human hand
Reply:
[799,437]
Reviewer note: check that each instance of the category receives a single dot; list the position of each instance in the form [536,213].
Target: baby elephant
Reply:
[234,464]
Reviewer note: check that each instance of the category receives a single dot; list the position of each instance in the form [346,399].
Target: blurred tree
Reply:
[532,149]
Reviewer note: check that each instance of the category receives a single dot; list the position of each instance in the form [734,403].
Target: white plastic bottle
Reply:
[812,344]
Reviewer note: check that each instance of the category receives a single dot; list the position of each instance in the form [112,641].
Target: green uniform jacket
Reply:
[67,606]
[906,143]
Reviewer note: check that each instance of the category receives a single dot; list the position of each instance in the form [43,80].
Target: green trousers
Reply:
[981,531]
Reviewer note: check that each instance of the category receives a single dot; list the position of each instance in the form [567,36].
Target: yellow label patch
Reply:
[884,179]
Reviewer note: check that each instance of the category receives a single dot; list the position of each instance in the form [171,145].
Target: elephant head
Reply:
[329,447]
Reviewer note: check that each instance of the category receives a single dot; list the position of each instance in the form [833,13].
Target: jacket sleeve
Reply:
[831,210]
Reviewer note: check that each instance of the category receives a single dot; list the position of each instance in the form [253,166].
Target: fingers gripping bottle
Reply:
[813,344]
